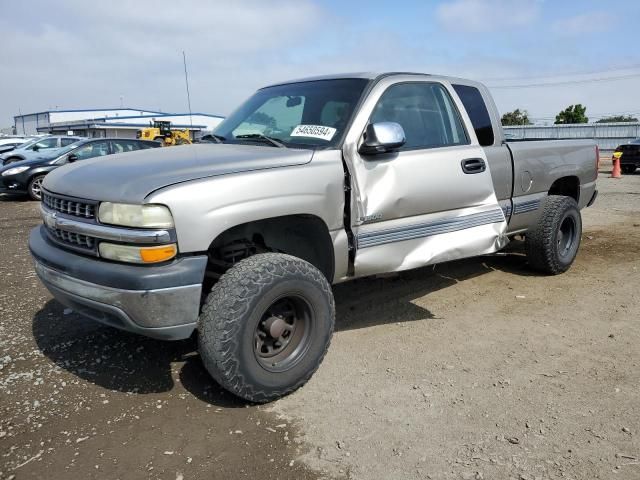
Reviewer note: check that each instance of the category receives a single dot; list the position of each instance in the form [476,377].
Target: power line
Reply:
[566,74]
[567,82]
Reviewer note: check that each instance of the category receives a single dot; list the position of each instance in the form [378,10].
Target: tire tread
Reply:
[541,252]
[228,302]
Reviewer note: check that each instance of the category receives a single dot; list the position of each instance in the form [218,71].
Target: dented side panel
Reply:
[431,238]
[419,207]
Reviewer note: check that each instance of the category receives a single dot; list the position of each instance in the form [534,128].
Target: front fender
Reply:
[205,208]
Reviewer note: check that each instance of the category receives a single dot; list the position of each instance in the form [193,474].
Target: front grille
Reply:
[69,207]
[75,240]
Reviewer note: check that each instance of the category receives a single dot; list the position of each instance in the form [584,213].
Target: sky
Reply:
[76,54]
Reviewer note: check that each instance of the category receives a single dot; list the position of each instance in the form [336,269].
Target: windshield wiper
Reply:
[260,136]
[212,136]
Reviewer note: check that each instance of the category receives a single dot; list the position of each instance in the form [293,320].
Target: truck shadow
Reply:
[125,362]
[377,300]
[121,361]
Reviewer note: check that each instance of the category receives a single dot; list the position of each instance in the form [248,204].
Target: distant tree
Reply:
[517,117]
[572,114]
[617,118]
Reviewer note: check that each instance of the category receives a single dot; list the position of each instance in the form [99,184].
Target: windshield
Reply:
[306,114]
[29,143]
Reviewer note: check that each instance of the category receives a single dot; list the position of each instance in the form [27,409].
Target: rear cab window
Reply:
[474,104]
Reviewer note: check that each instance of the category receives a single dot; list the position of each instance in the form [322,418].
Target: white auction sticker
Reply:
[314,131]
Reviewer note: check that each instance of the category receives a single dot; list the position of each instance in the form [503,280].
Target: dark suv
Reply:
[630,159]
[26,176]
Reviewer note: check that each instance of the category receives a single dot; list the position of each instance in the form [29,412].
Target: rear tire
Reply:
[552,245]
[35,187]
[628,169]
[266,326]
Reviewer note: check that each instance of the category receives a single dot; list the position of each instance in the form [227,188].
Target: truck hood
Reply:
[131,177]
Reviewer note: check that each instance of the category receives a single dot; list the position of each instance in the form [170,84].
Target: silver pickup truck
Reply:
[309,183]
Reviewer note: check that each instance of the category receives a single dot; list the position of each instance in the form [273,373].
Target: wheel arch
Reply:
[43,170]
[305,236]
[568,186]
[14,158]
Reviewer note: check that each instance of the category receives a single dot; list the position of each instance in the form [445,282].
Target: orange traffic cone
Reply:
[616,173]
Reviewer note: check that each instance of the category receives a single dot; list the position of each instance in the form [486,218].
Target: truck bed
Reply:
[537,164]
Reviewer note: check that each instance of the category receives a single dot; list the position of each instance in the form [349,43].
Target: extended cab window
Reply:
[425,111]
[474,104]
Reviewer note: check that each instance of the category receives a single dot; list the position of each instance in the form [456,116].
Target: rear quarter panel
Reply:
[538,164]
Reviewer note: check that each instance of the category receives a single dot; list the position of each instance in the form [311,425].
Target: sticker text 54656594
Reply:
[314,131]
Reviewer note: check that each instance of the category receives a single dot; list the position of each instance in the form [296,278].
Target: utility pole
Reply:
[186,81]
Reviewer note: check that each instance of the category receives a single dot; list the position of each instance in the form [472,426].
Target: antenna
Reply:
[186,81]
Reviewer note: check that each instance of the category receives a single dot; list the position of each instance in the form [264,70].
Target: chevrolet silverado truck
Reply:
[307,184]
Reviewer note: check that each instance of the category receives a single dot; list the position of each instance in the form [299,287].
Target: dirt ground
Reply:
[476,369]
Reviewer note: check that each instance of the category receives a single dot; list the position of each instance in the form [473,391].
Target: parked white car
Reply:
[9,143]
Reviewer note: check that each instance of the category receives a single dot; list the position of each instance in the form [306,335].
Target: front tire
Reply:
[35,187]
[266,326]
[552,245]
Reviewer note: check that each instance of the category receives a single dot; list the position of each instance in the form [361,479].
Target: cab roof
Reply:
[372,76]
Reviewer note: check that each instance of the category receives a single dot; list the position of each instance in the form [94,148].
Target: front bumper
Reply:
[630,161]
[13,184]
[160,301]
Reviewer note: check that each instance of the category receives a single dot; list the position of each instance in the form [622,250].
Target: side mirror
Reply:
[35,148]
[72,157]
[382,137]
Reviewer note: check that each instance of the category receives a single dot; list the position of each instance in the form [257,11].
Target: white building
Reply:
[120,122]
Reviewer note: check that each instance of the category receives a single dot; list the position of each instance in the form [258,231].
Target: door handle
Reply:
[473,165]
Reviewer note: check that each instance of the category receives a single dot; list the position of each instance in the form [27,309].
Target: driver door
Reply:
[433,199]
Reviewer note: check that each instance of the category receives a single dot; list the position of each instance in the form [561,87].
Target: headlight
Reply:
[131,254]
[142,216]
[14,171]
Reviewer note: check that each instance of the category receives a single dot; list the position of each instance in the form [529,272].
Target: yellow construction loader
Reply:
[161,131]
